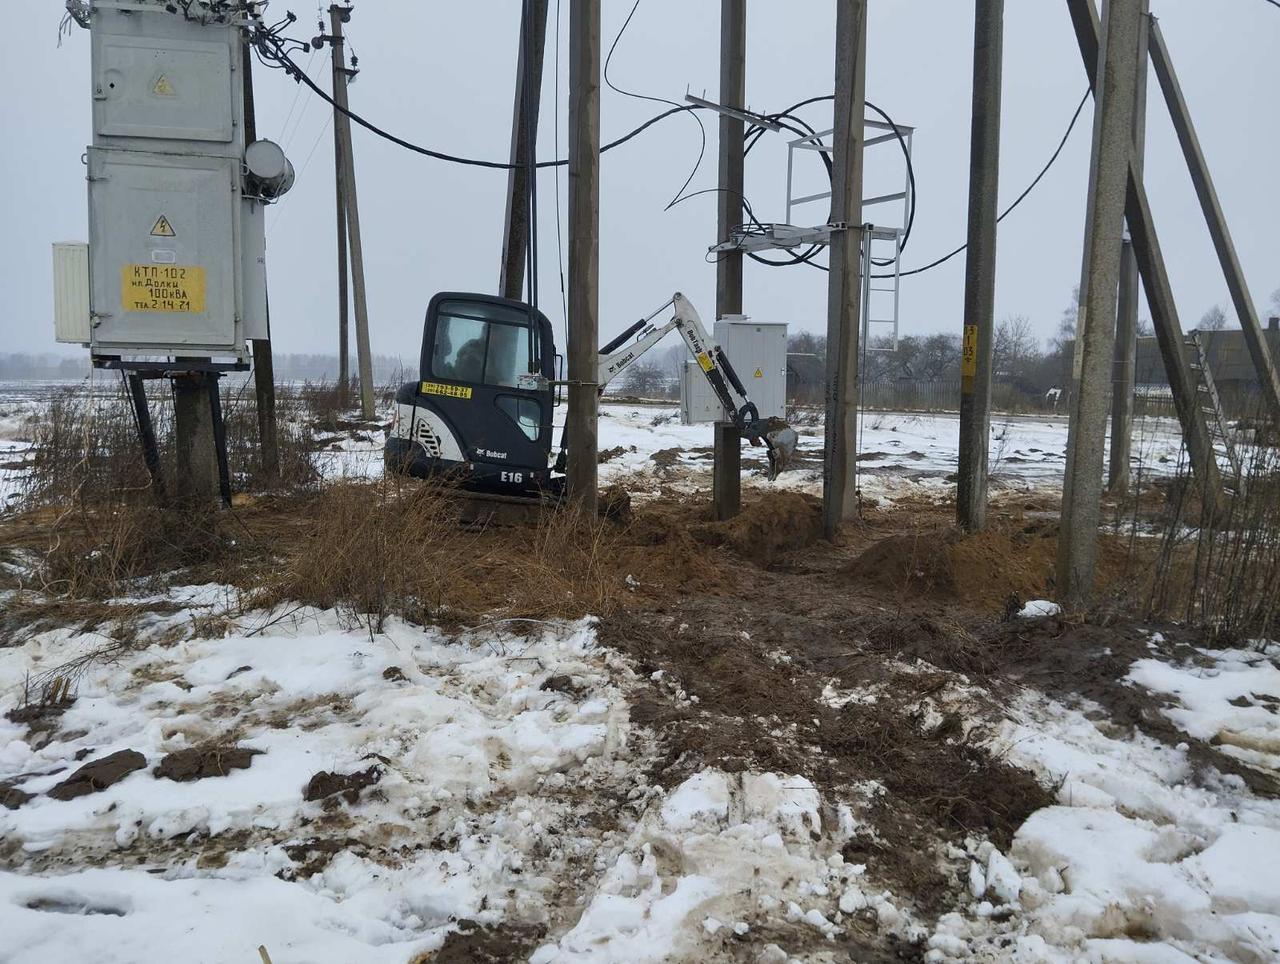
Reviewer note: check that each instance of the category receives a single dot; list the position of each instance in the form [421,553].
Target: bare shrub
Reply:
[86,449]
[395,547]
[1219,567]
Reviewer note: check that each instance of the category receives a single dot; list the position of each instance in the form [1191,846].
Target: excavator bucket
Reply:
[780,441]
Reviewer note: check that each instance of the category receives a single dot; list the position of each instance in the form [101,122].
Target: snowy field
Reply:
[900,453]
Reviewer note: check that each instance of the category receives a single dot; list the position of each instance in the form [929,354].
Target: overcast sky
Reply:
[442,74]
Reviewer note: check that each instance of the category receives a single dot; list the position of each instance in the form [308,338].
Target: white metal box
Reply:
[158,76]
[164,252]
[71,292]
[758,352]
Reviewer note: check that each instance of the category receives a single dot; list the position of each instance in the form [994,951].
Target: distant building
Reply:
[1229,360]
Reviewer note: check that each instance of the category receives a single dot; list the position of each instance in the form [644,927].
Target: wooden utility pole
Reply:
[1155,281]
[980,270]
[1095,330]
[1126,351]
[515,235]
[264,375]
[337,15]
[727,452]
[584,251]
[1250,324]
[844,286]
[340,208]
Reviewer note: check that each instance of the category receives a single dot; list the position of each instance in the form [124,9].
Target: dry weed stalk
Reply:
[1220,569]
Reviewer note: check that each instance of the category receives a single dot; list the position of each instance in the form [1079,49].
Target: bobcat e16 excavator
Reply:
[480,412]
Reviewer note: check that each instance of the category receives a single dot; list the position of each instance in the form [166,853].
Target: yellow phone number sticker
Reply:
[450,391]
[162,287]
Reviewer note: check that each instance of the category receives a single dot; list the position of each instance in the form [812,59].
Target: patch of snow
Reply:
[1039,607]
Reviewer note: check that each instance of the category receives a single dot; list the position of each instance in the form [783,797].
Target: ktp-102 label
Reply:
[162,287]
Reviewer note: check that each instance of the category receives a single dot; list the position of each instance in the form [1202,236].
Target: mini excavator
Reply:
[480,413]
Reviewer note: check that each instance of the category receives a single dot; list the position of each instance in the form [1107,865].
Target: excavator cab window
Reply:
[488,347]
[480,342]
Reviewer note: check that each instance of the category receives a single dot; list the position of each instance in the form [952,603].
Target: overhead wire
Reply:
[702,129]
[1007,211]
[277,57]
[564,302]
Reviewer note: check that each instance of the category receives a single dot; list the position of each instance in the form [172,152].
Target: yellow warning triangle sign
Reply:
[759,373]
[162,228]
[163,88]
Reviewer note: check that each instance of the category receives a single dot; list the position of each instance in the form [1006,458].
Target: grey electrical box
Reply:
[758,352]
[177,263]
[164,253]
[160,87]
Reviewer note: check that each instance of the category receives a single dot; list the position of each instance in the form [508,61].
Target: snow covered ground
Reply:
[289,780]
[405,785]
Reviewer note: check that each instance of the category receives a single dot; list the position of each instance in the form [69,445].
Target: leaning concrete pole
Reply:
[363,358]
[1153,270]
[1095,330]
[844,284]
[584,251]
[1246,311]
[515,235]
[1124,367]
[726,481]
[980,271]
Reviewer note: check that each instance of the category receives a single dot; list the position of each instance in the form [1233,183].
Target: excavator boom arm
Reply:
[617,356]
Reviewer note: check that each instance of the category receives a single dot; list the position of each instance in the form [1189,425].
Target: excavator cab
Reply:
[480,412]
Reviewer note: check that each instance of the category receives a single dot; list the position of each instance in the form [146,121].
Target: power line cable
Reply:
[276,57]
[1007,211]
[564,303]
[702,129]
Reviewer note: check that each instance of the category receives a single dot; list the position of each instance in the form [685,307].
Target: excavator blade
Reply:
[780,440]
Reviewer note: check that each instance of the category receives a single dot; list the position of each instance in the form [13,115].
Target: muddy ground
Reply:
[764,624]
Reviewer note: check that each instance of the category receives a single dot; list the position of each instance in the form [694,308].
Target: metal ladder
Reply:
[1210,404]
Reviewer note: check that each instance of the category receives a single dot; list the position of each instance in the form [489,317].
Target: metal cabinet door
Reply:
[164,253]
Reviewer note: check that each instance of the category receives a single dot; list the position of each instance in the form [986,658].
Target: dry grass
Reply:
[395,547]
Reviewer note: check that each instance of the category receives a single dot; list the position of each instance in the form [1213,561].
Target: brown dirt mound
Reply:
[200,762]
[981,570]
[772,525]
[99,774]
[326,784]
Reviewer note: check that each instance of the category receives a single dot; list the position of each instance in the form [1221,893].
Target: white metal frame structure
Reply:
[880,242]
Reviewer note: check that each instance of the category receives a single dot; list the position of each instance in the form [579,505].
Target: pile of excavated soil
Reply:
[774,524]
[981,570]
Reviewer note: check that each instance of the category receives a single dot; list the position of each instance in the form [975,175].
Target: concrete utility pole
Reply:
[264,373]
[515,235]
[1126,351]
[340,207]
[980,270]
[844,295]
[727,491]
[584,251]
[1155,280]
[1095,331]
[196,479]
[1250,324]
[336,15]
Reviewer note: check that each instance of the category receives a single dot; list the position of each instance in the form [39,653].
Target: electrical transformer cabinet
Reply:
[758,352]
[175,249]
